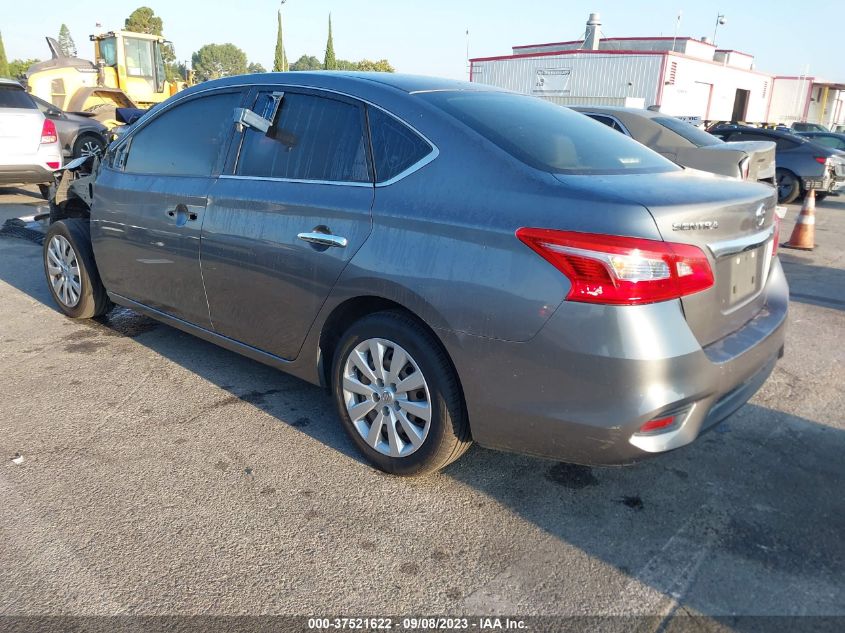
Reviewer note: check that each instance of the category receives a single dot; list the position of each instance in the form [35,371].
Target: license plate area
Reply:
[745,274]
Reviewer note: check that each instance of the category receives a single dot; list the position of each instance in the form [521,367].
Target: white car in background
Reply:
[29,146]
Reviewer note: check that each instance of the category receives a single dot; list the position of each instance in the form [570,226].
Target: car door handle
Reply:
[323,239]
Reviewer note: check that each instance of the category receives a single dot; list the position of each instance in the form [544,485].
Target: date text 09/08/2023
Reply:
[417,624]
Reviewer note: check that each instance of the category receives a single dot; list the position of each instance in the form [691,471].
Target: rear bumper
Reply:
[25,175]
[581,389]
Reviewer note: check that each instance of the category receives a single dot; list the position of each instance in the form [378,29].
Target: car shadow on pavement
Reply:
[747,519]
[816,285]
[16,191]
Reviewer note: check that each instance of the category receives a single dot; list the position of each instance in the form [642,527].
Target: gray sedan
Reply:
[688,145]
[79,135]
[452,261]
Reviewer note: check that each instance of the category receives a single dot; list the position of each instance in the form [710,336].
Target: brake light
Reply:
[615,270]
[48,132]
[822,160]
[53,164]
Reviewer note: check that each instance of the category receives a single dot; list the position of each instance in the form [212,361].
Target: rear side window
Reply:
[694,135]
[186,140]
[395,146]
[15,97]
[547,136]
[606,120]
[313,138]
[781,143]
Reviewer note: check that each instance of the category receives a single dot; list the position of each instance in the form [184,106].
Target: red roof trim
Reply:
[616,39]
[566,52]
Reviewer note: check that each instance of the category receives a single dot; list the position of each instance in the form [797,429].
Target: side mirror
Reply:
[247,118]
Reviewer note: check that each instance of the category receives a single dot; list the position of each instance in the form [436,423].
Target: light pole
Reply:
[721,20]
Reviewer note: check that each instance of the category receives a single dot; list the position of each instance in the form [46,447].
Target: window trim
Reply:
[245,88]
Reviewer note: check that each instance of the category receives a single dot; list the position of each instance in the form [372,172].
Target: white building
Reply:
[681,75]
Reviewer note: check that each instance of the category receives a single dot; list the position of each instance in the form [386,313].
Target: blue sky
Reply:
[430,37]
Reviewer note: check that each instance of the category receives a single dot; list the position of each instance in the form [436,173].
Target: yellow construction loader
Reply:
[128,72]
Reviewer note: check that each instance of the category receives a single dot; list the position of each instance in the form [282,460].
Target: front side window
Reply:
[547,136]
[606,120]
[395,146]
[186,140]
[139,57]
[312,138]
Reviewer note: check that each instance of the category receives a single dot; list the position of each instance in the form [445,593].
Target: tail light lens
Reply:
[615,270]
[822,160]
[776,236]
[48,132]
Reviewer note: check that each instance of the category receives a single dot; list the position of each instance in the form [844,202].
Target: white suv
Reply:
[29,145]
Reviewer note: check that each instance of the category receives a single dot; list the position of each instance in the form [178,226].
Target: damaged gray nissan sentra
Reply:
[455,262]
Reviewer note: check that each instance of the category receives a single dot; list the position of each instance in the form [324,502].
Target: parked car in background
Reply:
[79,135]
[454,262]
[29,144]
[839,128]
[801,163]
[688,145]
[808,127]
[828,139]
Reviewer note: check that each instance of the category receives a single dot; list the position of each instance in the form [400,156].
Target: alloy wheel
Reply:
[387,397]
[63,268]
[90,147]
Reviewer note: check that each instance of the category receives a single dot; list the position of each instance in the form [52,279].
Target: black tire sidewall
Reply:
[76,232]
[796,190]
[445,401]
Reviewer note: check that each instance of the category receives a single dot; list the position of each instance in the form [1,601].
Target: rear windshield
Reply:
[694,135]
[15,97]
[548,136]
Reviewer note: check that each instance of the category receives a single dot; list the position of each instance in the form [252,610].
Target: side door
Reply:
[287,217]
[150,201]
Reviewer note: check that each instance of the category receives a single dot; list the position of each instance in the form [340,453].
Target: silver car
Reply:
[454,262]
[688,145]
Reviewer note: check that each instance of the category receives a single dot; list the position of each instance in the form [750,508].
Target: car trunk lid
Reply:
[730,220]
[761,157]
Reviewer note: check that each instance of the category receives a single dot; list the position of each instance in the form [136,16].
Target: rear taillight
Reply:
[48,132]
[617,270]
[743,168]
[822,160]
[776,236]
[658,424]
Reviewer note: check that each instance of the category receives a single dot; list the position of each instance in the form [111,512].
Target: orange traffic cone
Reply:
[804,233]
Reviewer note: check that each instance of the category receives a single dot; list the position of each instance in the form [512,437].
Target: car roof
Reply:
[321,79]
[758,130]
[10,82]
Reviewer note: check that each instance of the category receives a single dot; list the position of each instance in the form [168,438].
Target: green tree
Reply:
[307,62]
[213,61]
[4,63]
[144,20]
[255,67]
[18,67]
[66,43]
[380,66]
[329,62]
[280,61]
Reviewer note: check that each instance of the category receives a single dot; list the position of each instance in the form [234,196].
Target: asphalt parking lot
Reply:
[163,475]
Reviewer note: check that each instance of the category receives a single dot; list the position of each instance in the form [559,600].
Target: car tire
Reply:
[88,144]
[789,187]
[46,191]
[71,272]
[433,391]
